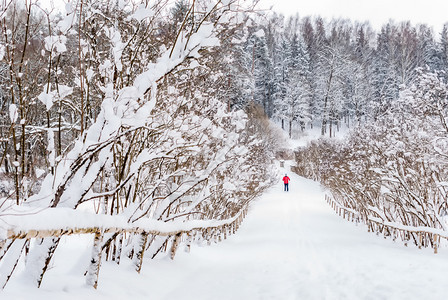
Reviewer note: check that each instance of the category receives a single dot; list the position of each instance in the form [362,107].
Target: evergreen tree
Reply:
[282,58]
[429,54]
[262,70]
[385,79]
[443,48]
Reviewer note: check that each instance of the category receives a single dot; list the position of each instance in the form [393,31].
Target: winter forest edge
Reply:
[151,125]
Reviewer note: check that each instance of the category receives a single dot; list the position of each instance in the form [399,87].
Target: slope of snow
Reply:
[291,246]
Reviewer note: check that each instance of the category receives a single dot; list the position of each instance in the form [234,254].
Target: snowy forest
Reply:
[311,72]
[153,124]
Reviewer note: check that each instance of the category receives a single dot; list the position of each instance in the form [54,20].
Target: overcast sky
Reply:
[378,12]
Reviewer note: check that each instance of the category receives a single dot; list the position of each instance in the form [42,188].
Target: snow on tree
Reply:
[393,170]
[146,134]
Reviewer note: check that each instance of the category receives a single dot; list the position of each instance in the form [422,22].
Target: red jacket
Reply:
[286,179]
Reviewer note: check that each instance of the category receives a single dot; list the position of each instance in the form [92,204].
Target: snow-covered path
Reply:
[290,246]
[293,246]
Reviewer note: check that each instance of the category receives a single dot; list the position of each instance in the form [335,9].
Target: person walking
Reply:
[286,180]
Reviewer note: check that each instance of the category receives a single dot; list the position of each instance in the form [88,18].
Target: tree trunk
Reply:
[327,95]
[95,263]
[141,247]
[290,129]
[39,259]
[10,259]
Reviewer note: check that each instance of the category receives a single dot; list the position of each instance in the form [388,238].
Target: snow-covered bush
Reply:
[135,124]
[395,168]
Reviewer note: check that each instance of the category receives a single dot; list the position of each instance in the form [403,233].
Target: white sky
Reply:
[378,12]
